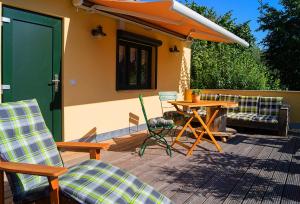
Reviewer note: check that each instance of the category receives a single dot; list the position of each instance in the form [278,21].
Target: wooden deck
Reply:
[251,169]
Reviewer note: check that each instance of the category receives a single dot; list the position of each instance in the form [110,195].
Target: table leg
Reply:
[207,130]
[182,130]
[212,118]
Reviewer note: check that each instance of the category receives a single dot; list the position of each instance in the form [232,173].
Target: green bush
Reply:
[228,66]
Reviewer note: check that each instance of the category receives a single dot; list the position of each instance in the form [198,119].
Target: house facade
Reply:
[87,68]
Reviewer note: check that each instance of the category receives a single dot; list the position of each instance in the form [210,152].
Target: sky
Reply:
[243,10]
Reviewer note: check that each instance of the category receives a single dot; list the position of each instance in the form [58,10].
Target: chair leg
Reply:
[1,187]
[162,139]
[144,145]
[54,190]
[158,138]
[95,154]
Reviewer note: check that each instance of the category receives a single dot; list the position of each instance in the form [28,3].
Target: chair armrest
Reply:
[82,146]
[92,148]
[283,120]
[32,169]
[52,172]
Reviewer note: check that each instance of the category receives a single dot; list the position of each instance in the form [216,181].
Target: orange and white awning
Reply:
[169,15]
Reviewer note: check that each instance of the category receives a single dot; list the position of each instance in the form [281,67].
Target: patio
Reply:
[251,169]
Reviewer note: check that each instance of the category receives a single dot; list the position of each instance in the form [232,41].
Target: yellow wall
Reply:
[290,97]
[94,101]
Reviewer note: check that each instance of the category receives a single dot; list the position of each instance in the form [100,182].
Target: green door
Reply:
[31,53]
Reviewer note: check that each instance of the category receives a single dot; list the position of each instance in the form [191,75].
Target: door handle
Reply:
[56,81]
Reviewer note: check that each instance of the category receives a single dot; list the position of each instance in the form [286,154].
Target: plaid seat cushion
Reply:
[94,181]
[230,98]
[202,112]
[25,138]
[266,118]
[270,105]
[209,97]
[248,104]
[172,115]
[160,122]
[242,116]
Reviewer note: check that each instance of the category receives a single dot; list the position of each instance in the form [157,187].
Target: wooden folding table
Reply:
[213,109]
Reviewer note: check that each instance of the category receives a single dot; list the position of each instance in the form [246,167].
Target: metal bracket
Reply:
[5,20]
[4,87]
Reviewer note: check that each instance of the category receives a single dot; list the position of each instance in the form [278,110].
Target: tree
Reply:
[282,42]
[223,66]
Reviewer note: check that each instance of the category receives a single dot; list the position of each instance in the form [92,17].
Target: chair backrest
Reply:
[144,111]
[270,105]
[167,96]
[209,97]
[248,104]
[25,138]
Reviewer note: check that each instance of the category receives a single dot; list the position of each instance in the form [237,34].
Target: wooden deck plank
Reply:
[162,173]
[291,193]
[201,173]
[264,177]
[235,177]
[244,183]
[217,187]
[186,177]
[275,188]
[208,176]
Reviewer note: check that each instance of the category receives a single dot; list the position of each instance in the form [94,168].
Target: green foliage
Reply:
[223,66]
[196,92]
[283,41]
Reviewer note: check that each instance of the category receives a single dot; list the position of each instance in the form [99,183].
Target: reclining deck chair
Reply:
[34,168]
[158,128]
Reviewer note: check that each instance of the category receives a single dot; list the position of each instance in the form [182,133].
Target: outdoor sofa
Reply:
[259,112]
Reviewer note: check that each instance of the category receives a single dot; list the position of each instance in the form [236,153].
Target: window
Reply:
[136,61]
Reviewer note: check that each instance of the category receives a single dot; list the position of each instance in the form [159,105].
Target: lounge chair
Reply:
[34,168]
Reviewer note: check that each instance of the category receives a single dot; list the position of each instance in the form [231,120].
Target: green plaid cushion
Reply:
[209,97]
[94,181]
[248,104]
[242,116]
[25,138]
[160,122]
[270,105]
[202,112]
[266,118]
[230,98]
[173,115]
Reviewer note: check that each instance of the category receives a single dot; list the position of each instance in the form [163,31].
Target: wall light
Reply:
[98,32]
[173,49]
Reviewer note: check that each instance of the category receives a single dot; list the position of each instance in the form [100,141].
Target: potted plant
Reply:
[196,96]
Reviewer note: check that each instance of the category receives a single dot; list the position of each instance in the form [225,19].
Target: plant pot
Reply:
[195,98]
[188,95]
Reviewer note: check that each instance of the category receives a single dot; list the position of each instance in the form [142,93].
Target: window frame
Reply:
[139,42]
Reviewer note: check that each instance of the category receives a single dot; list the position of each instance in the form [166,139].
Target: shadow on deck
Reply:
[251,169]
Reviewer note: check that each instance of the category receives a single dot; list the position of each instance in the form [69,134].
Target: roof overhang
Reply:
[168,16]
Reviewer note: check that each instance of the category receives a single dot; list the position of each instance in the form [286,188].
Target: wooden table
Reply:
[213,109]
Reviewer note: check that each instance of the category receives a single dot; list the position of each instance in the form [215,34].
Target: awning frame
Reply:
[92,8]
[220,33]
